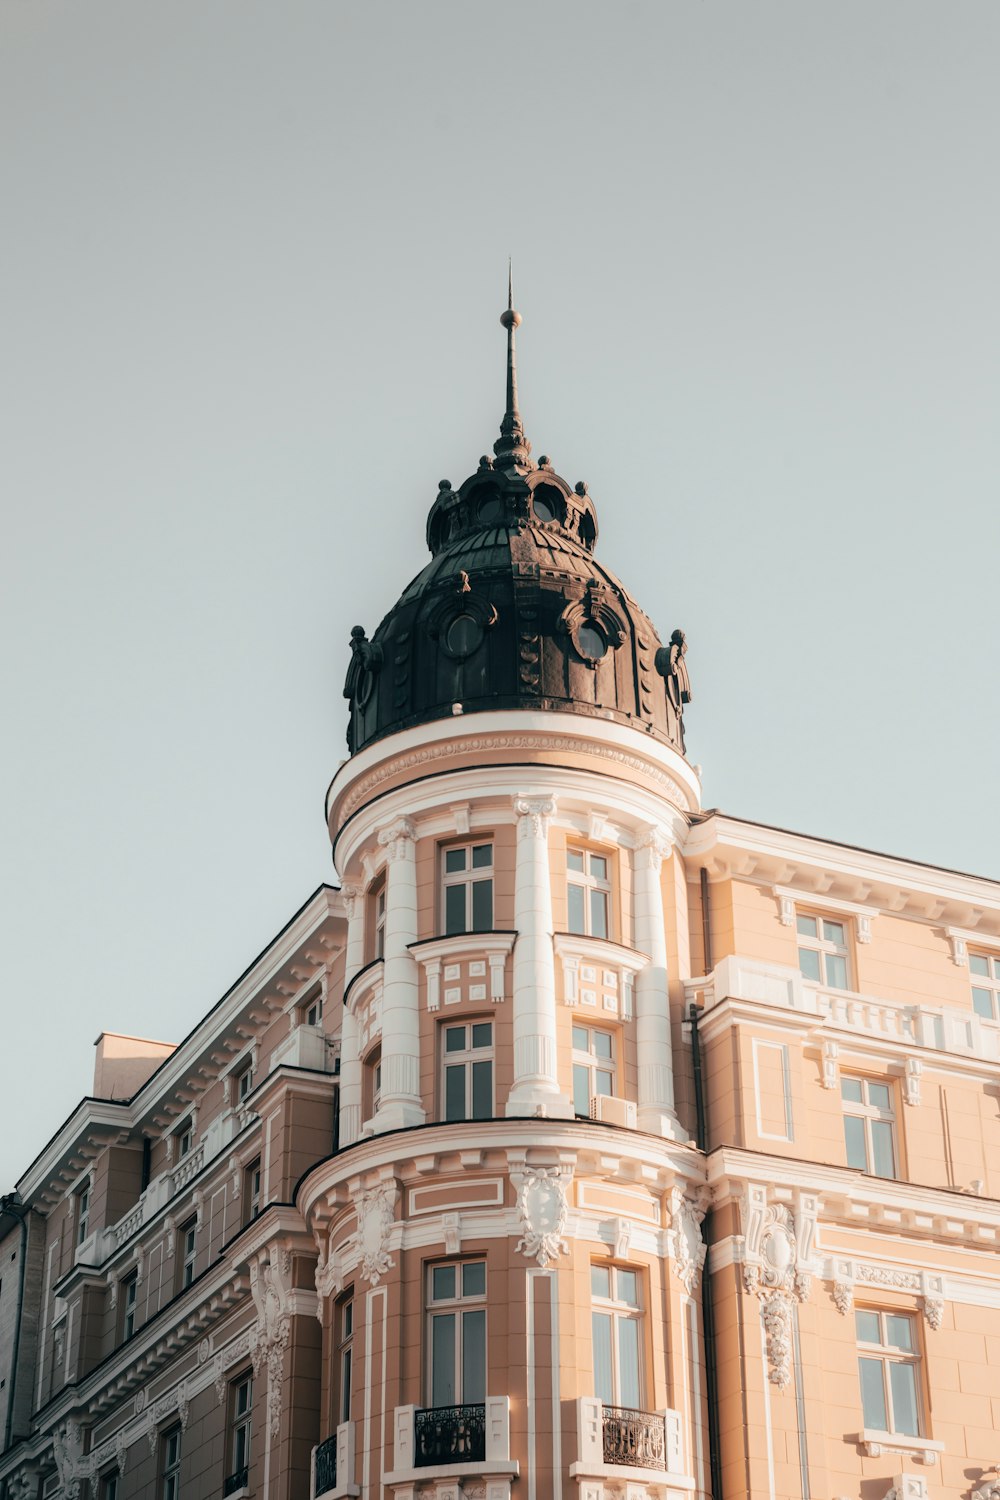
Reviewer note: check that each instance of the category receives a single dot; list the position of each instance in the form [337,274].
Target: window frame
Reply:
[240,1424]
[184,1136]
[591,1061]
[343,1334]
[377,898]
[311,1010]
[128,1296]
[592,885]
[985,984]
[458,1307]
[108,1485]
[252,1185]
[825,948]
[465,1058]
[187,1250]
[81,1207]
[618,1310]
[871,1113]
[243,1082]
[467,878]
[887,1354]
[170,1463]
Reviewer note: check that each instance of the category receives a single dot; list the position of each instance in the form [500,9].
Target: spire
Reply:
[512,446]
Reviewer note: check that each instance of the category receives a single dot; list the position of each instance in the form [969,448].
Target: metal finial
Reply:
[512,445]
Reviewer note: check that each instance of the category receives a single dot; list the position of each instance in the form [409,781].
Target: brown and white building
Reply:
[584,1143]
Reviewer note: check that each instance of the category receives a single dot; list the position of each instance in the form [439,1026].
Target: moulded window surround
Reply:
[83,1213]
[456,1333]
[888,1372]
[376,903]
[870,1125]
[594,1069]
[373,1082]
[170,1465]
[467,1070]
[188,1240]
[618,1335]
[984,971]
[311,1012]
[344,1334]
[110,1488]
[467,887]
[243,1082]
[823,949]
[240,1418]
[185,1139]
[588,892]
[251,1191]
[129,1296]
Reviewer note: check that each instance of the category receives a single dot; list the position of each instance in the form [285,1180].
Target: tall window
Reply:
[312,1011]
[378,913]
[468,1071]
[251,1191]
[616,1320]
[110,1489]
[985,973]
[188,1236]
[593,1066]
[344,1332]
[83,1213]
[129,1293]
[887,1369]
[823,950]
[869,1126]
[373,1081]
[588,892]
[244,1082]
[185,1140]
[240,1408]
[456,1341]
[468,888]
[171,1465]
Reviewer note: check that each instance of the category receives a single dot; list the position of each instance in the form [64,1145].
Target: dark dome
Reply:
[513,611]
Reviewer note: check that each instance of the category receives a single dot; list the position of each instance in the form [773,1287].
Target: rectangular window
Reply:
[617,1331]
[244,1083]
[378,911]
[129,1294]
[593,1066]
[109,1487]
[373,1081]
[887,1370]
[468,1071]
[185,1140]
[588,892]
[869,1126]
[83,1213]
[187,1236]
[985,972]
[240,1408]
[467,888]
[823,950]
[251,1191]
[456,1335]
[312,1011]
[171,1465]
[344,1316]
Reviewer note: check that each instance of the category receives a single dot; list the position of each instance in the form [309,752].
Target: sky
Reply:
[254,256]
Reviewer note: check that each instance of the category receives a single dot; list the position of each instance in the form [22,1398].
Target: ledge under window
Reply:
[923,1450]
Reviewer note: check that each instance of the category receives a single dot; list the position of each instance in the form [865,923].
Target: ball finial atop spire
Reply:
[512,445]
[509,318]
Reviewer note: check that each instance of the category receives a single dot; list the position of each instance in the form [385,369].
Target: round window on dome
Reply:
[591,643]
[464,634]
[490,507]
[543,510]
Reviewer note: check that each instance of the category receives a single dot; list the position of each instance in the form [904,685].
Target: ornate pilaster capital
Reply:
[653,846]
[397,838]
[351,895]
[533,816]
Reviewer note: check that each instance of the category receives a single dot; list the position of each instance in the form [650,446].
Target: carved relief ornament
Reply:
[376,1213]
[543,1209]
[533,815]
[778,1267]
[270,1287]
[687,1247]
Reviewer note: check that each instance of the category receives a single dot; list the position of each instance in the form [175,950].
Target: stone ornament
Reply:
[71,1466]
[989,1490]
[533,814]
[270,1287]
[329,1278]
[376,1214]
[927,1284]
[778,1267]
[397,839]
[686,1246]
[543,1210]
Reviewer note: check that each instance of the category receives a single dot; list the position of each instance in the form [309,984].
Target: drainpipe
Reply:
[11,1204]
[701,1135]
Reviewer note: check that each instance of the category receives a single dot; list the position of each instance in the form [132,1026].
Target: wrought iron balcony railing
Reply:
[237,1481]
[449,1435]
[326,1466]
[636,1439]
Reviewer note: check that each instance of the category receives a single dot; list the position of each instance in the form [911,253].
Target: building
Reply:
[583,1144]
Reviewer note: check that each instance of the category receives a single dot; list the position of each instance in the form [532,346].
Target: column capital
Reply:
[533,815]
[396,837]
[657,842]
[351,895]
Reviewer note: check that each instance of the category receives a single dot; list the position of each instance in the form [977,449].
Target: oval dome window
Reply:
[464,635]
[590,642]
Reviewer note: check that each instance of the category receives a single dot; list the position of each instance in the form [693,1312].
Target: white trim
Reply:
[816,901]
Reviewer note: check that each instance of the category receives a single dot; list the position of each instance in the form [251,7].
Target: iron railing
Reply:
[237,1481]
[326,1466]
[636,1439]
[450,1435]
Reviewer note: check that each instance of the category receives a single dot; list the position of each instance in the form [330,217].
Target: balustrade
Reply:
[325,1467]
[636,1439]
[236,1482]
[449,1435]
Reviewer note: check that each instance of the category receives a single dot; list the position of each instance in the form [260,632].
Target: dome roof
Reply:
[513,611]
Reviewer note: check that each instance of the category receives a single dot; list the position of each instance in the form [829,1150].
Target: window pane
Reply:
[873,1394]
[599,913]
[581,1090]
[850,1088]
[979,964]
[982,1003]
[454,1039]
[602,1045]
[903,1386]
[443,1283]
[806,926]
[482,1090]
[482,1034]
[575,900]
[867,1327]
[345,1386]
[474,1279]
[834,933]
[454,1093]
[454,860]
[443,1358]
[474,1355]
[883,1156]
[574,859]
[809,963]
[854,1136]
[627,1288]
[996,968]
[836,971]
[454,909]
[482,905]
[603,1378]
[482,856]
[898,1332]
[598,867]
[580,1042]
[604,1083]
[600,1281]
[879,1095]
[628,1362]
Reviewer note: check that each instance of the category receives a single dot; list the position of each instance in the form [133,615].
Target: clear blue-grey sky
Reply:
[253,260]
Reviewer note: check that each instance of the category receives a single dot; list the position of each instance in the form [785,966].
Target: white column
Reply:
[400,1105]
[536,1077]
[350,1063]
[652,996]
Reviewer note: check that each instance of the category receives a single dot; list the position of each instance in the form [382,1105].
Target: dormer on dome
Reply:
[513,610]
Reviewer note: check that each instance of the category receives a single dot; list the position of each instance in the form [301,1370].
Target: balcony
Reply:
[453,1442]
[304,1047]
[332,1466]
[620,1443]
[237,1484]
